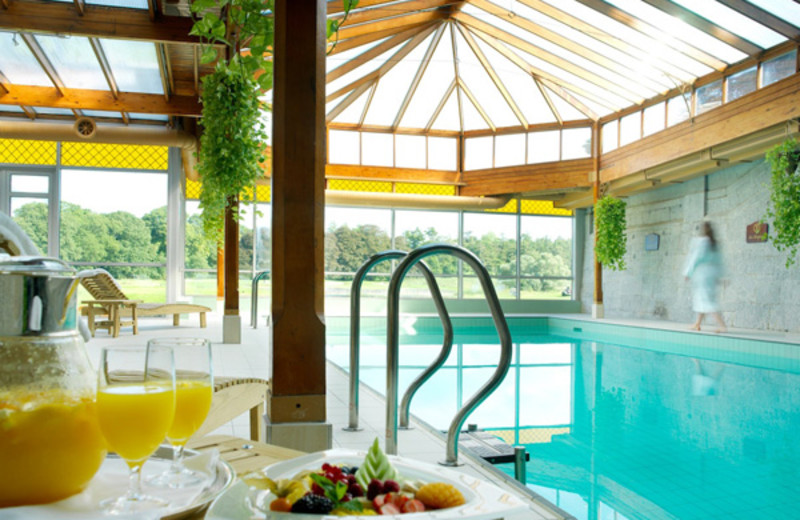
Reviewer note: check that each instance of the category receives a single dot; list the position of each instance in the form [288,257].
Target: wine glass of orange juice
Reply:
[135,408]
[193,390]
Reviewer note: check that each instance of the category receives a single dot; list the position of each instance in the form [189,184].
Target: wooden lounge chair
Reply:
[111,309]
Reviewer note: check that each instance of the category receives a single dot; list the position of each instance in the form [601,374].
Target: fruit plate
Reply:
[483,500]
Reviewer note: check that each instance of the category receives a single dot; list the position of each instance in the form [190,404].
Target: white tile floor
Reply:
[249,359]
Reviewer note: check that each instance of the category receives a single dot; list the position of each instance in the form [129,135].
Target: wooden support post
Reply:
[297,392]
[231,258]
[597,307]
[220,274]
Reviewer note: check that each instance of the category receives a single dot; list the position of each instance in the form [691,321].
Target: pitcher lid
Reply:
[35,265]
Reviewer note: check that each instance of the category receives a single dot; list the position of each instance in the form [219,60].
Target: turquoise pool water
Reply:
[621,422]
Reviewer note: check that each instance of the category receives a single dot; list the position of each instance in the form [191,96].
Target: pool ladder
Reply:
[409,260]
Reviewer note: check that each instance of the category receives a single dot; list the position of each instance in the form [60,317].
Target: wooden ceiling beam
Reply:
[646,86]
[698,22]
[165,70]
[763,17]
[99,21]
[392,23]
[44,62]
[154,9]
[28,111]
[371,53]
[648,64]
[493,75]
[80,5]
[440,106]
[543,75]
[476,104]
[558,61]
[393,10]
[547,99]
[655,33]
[31,95]
[554,176]
[4,3]
[349,99]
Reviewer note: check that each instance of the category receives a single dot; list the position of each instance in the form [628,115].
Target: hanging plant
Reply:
[234,137]
[611,243]
[784,207]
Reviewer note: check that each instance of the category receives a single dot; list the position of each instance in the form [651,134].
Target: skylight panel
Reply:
[649,77]
[149,117]
[53,111]
[101,114]
[11,108]
[360,71]
[598,109]
[472,118]
[448,118]
[132,4]
[74,61]
[735,22]
[481,85]
[784,9]
[334,61]
[18,64]
[567,111]
[134,65]
[672,26]
[659,50]
[520,85]
[353,113]
[434,83]
[392,88]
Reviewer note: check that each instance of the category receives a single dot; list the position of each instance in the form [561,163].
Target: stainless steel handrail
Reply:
[355,327]
[254,296]
[392,345]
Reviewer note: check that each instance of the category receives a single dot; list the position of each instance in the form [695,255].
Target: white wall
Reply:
[757,292]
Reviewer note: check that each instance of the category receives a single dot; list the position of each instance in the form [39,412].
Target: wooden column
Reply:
[598,267]
[220,274]
[231,259]
[298,203]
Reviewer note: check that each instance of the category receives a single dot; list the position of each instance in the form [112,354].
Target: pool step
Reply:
[489,447]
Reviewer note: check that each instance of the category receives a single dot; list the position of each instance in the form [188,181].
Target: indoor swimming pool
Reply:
[620,422]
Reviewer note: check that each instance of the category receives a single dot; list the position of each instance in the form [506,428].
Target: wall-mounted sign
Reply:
[757,232]
[651,242]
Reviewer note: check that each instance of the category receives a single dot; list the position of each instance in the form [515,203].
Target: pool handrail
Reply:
[355,328]
[392,345]
[254,298]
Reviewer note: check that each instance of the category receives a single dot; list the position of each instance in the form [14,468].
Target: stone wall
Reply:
[757,291]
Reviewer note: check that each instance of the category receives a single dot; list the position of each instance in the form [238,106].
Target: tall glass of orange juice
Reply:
[135,408]
[193,390]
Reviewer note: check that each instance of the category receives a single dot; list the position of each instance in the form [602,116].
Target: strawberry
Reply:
[378,501]
[389,509]
[413,506]
[396,499]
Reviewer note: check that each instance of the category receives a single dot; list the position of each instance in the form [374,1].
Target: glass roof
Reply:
[453,65]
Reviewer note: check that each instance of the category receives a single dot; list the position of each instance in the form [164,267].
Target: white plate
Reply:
[484,501]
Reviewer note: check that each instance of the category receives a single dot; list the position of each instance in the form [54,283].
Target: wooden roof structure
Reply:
[457,68]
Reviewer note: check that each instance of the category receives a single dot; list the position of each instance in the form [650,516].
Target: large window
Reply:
[492,237]
[413,229]
[545,257]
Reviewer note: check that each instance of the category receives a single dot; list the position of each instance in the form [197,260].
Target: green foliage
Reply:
[784,208]
[611,245]
[233,139]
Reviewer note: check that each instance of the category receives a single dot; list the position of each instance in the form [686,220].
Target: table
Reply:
[244,455]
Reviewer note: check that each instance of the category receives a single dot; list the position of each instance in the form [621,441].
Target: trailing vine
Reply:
[784,208]
[234,137]
[611,244]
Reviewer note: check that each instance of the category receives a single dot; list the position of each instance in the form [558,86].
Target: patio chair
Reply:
[111,308]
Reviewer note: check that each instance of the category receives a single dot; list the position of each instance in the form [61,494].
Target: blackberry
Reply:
[313,504]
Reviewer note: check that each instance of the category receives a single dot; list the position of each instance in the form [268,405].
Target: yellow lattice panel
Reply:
[511,207]
[540,435]
[369,186]
[128,156]
[424,189]
[263,192]
[543,207]
[506,435]
[193,189]
[19,151]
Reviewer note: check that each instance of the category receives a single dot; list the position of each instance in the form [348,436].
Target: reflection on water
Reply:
[619,432]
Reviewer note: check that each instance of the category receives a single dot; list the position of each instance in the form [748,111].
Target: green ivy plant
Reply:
[611,243]
[238,35]
[784,207]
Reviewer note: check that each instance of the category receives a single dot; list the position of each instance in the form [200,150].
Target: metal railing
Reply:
[392,346]
[254,298]
[355,330]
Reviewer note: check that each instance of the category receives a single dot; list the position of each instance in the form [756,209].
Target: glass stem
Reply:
[177,458]
[134,483]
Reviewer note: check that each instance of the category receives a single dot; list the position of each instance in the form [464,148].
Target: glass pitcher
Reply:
[50,441]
